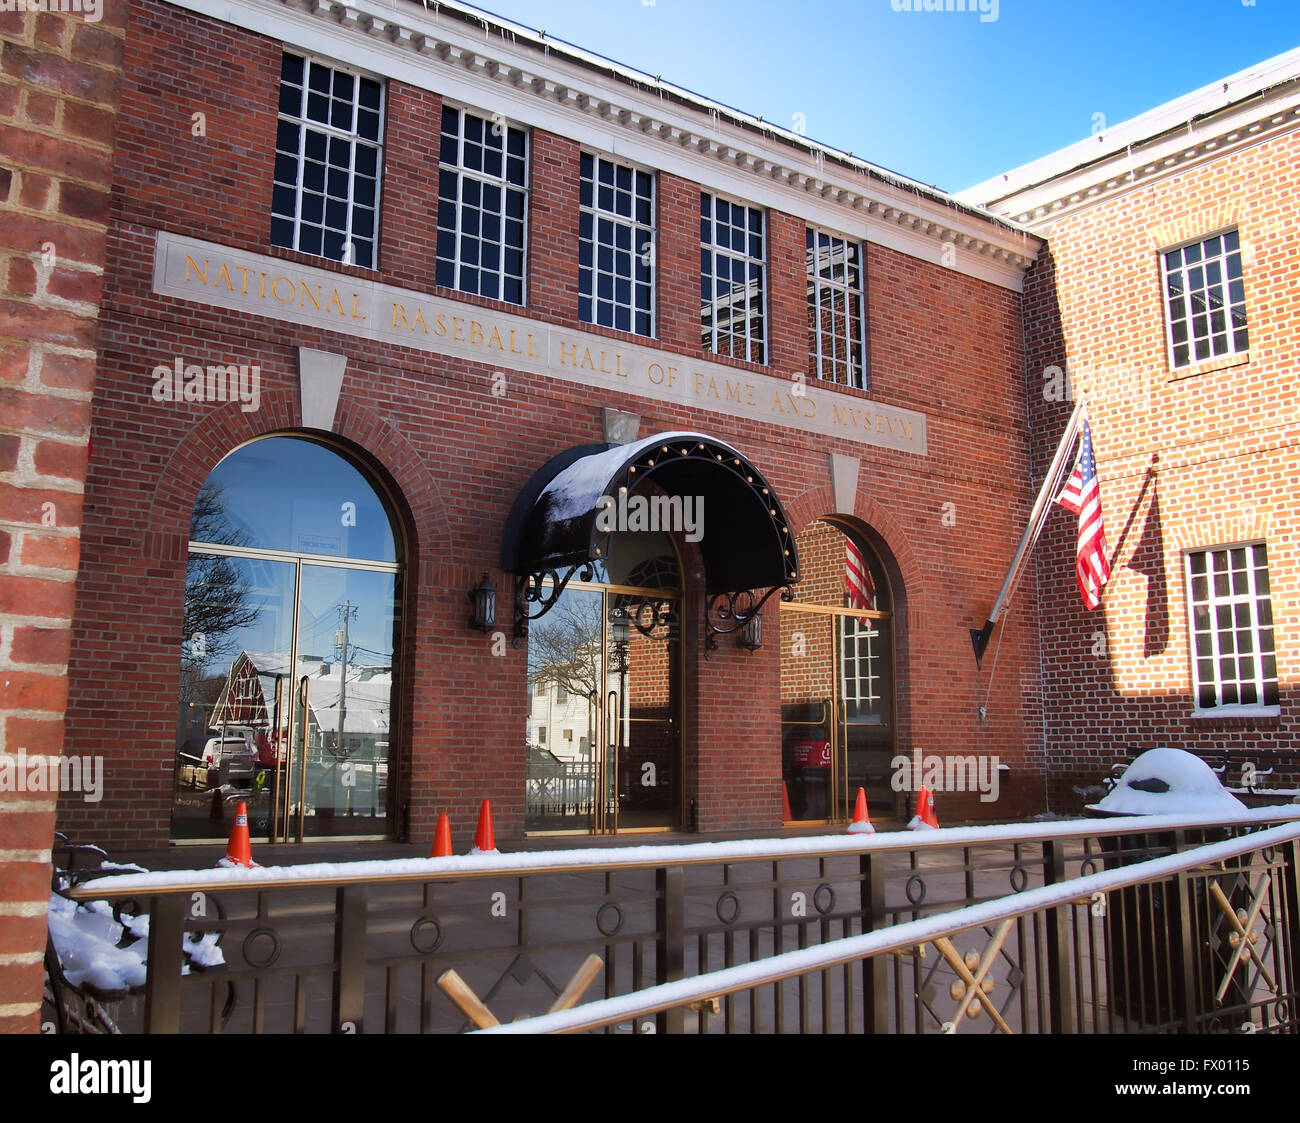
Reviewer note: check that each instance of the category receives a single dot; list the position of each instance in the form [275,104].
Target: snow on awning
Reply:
[744,536]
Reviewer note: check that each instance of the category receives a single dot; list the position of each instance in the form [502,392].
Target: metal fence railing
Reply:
[362,946]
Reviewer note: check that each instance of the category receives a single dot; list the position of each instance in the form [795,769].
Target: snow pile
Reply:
[860,826]
[86,939]
[203,951]
[1169,782]
[919,824]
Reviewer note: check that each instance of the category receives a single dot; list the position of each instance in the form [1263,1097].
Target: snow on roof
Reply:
[573,492]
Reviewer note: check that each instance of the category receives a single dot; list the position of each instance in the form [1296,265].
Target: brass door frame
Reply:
[605,797]
[837,716]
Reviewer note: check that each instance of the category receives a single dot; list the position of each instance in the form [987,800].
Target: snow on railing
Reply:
[645,857]
[836,953]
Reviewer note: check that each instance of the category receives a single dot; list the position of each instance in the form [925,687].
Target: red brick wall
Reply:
[58,97]
[1215,446]
[456,456]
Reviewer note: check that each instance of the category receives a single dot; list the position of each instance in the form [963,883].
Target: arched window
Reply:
[292,595]
[837,677]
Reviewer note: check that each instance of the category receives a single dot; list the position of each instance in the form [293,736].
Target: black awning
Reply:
[745,538]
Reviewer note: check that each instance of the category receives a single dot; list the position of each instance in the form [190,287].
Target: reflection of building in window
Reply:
[836,327]
[248,699]
[733,270]
[1233,664]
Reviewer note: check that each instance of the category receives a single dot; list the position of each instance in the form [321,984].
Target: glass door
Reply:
[837,680]
[602,734]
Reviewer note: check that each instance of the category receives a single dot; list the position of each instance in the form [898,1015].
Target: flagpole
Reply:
[979,637]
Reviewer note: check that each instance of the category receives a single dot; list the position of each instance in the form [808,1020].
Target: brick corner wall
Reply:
[59,89]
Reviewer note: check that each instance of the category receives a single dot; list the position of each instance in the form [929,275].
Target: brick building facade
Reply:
[448,402]
[1166,298]
[893,404]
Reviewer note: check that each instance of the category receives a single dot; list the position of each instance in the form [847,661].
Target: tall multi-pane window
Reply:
[616,265]
[327,159]
[482,205]
[1233,658]
[1205,300]
[836,333]
[733,279]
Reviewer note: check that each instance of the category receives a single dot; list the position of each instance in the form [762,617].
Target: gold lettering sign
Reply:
[257,285]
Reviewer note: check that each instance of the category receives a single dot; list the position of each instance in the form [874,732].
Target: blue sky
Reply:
[943,97]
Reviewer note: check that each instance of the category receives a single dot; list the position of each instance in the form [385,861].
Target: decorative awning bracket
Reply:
[536,593]
[725,613]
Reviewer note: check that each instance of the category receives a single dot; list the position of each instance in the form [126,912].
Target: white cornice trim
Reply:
[501,69]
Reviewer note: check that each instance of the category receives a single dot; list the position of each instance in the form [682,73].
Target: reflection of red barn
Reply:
[243,700]
[253,697]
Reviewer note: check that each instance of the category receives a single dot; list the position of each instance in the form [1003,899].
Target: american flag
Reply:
[862,589]
[1082,495]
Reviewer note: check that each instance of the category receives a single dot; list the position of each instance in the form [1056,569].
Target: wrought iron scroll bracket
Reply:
[725,613]
[534,597]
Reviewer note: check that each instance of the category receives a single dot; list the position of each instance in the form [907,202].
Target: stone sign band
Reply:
[208,273]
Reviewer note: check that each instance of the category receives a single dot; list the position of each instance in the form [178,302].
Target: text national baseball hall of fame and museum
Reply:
[251,283]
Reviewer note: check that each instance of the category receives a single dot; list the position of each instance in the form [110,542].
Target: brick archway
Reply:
[369,439]
[881,528]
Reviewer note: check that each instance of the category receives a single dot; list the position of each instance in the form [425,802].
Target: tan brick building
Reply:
[1167,298]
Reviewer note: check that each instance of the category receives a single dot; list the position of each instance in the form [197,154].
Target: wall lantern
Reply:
[751,635]
[620,633]
[484,600]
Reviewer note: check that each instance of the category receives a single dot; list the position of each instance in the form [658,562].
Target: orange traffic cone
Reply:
[924,819]
[786,816]
[442,838]
[238,850]
[931,819]
[483,840]
[861,819]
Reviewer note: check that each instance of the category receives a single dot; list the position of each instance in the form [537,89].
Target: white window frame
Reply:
[819,337]
[856,658]
[1252,599]
[304,124]
[505,186]
[644,242]
[1223,288]
[713,247]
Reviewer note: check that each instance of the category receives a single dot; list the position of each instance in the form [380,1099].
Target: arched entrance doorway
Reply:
[292,594]
[589,538]
[838,725]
